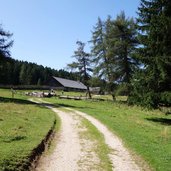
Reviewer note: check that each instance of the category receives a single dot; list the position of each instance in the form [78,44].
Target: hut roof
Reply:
[70,83]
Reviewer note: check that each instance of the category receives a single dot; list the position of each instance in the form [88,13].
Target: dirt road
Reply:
[70,153]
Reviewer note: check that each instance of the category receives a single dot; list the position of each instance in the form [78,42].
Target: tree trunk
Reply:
[113,97]
[89,93]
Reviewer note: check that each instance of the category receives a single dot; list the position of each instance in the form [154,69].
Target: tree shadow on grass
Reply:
[66,105]
[59,105]
[22,101]
[13,100]
[71,106]
[163,121]
[42,105]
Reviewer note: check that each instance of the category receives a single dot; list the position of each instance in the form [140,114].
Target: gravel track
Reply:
[68,151]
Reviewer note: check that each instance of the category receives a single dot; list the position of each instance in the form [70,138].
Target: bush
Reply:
[165,98]
[148,99]
[123,90]
[145,92]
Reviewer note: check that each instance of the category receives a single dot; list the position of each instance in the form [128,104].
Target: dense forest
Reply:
[14,72]
[128,56]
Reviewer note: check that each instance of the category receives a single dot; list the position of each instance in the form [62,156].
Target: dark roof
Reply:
[70,83]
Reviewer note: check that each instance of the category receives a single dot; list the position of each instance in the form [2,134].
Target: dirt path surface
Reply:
[120,156]
[69,152]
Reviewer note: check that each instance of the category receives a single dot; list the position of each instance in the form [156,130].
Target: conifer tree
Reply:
[154,24]
[22,74]
[100,53]
[4,52]
[124,43]
[114,42]
[82,64]
[4,43]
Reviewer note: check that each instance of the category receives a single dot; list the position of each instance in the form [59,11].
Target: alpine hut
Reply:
[66,84]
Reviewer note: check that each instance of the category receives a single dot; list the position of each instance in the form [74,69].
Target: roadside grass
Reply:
[146,133]
[23,125]
[52,144]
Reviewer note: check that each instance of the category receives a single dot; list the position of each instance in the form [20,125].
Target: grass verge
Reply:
[23,126]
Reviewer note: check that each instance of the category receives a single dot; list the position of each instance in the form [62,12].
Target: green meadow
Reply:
[146,133]
[23,125]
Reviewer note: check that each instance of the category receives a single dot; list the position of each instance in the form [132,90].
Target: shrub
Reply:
[123,90]
[165,98]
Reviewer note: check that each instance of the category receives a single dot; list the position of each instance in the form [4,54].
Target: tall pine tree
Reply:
[114,42]
[124,44]
[82,64]
[154,24]
[5,44]
[101,56]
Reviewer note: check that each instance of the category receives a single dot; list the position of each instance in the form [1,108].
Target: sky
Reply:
[45,31]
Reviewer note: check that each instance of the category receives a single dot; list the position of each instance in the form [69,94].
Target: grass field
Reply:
[147,133]
[23,125]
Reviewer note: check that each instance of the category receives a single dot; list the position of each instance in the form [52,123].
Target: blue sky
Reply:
[46,31]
